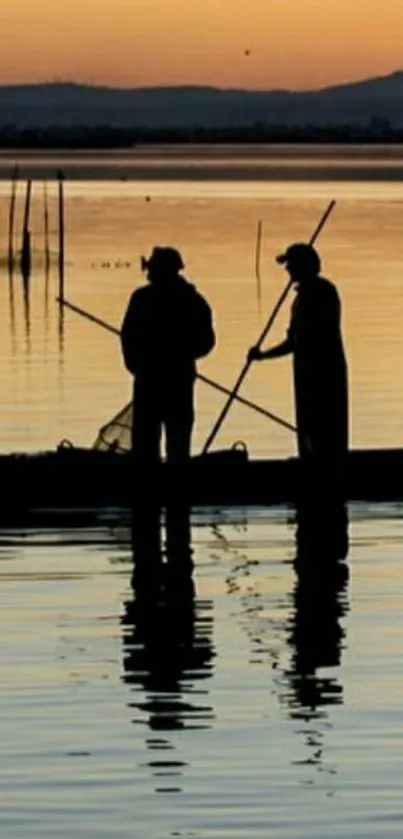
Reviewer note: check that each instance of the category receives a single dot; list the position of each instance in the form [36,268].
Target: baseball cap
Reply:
[300,253]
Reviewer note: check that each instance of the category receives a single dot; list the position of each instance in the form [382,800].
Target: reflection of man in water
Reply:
[317,638]
[320,371]
[319,602]
[167,642]
[167,326]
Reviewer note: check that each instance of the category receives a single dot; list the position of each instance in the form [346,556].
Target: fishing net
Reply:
[116,434]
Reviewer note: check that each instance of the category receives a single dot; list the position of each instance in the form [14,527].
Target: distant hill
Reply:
[66,104]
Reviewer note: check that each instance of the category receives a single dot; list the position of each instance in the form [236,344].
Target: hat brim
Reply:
[281,258]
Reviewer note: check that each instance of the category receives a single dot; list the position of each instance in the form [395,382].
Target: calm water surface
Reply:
[257,706]
[257,703]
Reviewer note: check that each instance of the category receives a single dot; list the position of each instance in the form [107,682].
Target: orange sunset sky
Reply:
[293,43]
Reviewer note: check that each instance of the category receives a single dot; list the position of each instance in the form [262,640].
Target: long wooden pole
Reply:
[27,206]
[26,235]
[46,226]
[11,218]
[202,378]
[269,324]
[60,178]
[12,310]
[258,252]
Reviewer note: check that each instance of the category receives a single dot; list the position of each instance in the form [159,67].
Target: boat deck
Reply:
[79,480]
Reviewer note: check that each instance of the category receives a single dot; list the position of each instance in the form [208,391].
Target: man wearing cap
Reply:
[320,371]
[166,328]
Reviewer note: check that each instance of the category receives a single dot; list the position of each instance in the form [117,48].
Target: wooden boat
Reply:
[78,484]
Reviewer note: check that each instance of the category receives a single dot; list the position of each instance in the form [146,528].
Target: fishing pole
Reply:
[205,379]
[234,393]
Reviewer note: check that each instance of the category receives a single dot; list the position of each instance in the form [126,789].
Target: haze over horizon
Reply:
[249,44]
[71,82]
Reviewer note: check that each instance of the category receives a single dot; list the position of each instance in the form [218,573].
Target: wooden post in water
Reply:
[46,227]
[258,252]
[11,218]
[60,178]
[26,235]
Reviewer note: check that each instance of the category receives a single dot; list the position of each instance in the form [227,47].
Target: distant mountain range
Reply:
[66,104]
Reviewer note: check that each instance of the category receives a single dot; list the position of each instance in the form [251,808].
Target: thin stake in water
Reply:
[26,235]
[60,178]
[11,218]
[46,226]
[258,252]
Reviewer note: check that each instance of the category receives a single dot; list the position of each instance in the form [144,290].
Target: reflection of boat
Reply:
[79,479]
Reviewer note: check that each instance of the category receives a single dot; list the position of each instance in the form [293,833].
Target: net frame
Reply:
[115,435]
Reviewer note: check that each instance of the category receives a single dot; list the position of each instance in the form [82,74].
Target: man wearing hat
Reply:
[320,371]
[166,327]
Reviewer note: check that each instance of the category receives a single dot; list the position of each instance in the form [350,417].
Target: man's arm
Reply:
[285,348]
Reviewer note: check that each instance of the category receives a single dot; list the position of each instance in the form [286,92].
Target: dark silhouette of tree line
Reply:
[72,137]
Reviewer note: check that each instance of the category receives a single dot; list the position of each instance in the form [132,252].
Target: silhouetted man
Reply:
[167,327]
[320,371]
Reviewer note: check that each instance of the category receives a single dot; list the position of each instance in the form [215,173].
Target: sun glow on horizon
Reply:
[255,44]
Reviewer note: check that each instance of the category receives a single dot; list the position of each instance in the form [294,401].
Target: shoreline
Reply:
[33,145]
[242,162]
